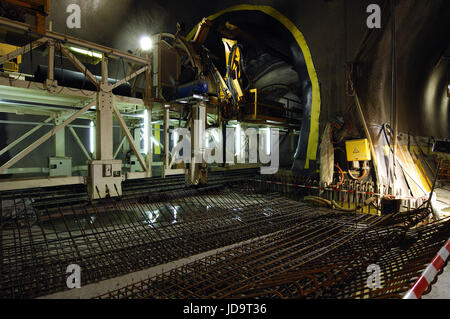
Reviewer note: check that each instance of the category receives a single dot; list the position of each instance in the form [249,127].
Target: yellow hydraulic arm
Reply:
[233,56]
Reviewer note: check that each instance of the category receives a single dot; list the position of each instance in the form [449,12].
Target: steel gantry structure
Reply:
[64,105]
[155,71]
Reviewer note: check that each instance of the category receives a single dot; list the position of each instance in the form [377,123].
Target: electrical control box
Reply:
[60,166]
[358,150]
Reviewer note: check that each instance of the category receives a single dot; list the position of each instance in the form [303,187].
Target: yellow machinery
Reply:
[13,65]
[202,33]
[233,61]
[358,150]
[230,84]
[232,93]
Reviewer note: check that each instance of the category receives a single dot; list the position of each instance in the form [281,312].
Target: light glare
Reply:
[146,132]
[91,137]
[146,43]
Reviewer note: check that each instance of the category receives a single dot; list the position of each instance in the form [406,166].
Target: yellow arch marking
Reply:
[315,107]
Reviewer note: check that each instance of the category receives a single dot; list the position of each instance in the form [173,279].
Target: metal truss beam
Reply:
[23,137]
[44,138]
[72,40]
[80,66]
[80,143]
[130,138]
[129,77]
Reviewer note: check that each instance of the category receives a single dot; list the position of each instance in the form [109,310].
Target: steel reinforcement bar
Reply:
[325,256]
[119,236]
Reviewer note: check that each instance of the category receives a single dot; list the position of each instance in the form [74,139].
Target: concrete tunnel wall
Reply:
[423,36]
[423,61]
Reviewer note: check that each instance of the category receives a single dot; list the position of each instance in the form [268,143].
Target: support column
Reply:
[223,132]
[149,106]
[135,166]
[166,139]
[105,102]
[149,157]
[59,164]
[198,169]
[51,60]
[105,173]
[51,83]
[60,140]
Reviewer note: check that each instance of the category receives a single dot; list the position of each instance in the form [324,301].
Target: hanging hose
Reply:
[358,178]
[365,171]
[341,179]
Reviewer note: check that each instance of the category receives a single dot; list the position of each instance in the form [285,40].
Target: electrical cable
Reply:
[342,178]
[334,205]
[365,173]
[422,153]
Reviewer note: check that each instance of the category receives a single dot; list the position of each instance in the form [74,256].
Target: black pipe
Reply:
[78,80]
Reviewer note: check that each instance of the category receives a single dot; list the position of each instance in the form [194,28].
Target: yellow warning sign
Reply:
[358,150]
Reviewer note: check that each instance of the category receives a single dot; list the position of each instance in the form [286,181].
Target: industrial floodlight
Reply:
[146,43]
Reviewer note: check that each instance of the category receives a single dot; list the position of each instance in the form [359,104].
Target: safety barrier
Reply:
[429,275]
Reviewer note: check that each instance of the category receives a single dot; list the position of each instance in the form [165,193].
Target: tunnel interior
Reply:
[90,169]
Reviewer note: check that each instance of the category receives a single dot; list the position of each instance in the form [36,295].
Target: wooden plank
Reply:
[426,181]
[411,173]
[17,184]
[412,168]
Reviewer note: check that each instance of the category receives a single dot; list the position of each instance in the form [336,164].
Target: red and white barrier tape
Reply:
[336,190]
[429,274]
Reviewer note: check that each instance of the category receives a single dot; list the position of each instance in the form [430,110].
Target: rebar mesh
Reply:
[297,251]
[118,236]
